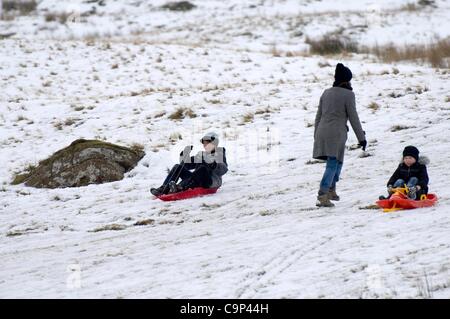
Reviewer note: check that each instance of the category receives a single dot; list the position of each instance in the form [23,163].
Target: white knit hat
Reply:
[211,136]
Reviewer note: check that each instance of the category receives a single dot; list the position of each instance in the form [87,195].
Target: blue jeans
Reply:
[411,182]
[331,175]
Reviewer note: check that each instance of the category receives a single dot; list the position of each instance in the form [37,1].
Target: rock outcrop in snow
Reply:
[82,163]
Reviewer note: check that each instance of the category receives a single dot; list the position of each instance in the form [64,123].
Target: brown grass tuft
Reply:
[397,128]
[109,227]
[332,43]
[248,118]
[374,106]
[435,53]
[144,222]
[23,7]
[275,52]
[61,17]
[182,112]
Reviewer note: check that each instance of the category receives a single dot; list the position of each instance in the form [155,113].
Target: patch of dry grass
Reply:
[144,222]
[312,162]
[181,113]
[22,6]
[247,118]
[410,7]
[159,114]
[374,106]
[397,128]
[174,137]
[436,53]
[78,108]
[61,17]
[213,101]
[109,227]
[263,111]
[47,83]
[59,125]
[275,52]
[323,64]
[331,43]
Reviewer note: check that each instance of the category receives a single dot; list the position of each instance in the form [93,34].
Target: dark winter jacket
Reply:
[418,169]
[215,161]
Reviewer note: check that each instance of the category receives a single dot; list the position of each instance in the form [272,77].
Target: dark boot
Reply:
[323,200]
[174,188]
[182,186]
[187,183]
[412,192]
[161,190]
[390,192]
[332,194]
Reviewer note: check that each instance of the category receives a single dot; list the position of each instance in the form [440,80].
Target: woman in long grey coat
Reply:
[336,107]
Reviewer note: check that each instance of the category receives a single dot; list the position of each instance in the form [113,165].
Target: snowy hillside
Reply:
[240,68]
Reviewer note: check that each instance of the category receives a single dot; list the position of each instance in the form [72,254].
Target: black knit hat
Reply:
[342,74]
[411,151]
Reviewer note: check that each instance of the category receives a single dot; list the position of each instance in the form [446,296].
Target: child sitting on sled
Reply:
[208,168]
[412,171]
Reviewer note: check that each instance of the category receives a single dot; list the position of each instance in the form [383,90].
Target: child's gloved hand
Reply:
[187,149]
[390,189]
[185,154]
[212,165]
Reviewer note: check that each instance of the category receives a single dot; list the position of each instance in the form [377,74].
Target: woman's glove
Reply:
[363,145]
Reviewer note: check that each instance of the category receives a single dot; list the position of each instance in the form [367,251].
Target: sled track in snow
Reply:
[256,280]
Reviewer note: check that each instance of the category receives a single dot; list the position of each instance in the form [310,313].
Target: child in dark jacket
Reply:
[208,168]
[412,172]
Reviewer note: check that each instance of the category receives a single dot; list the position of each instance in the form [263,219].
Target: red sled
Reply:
[190,193]
[400,201]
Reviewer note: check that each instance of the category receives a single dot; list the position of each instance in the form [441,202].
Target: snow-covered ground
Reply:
[119,76]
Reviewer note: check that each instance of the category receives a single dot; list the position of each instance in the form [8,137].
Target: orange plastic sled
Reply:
[399,200]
